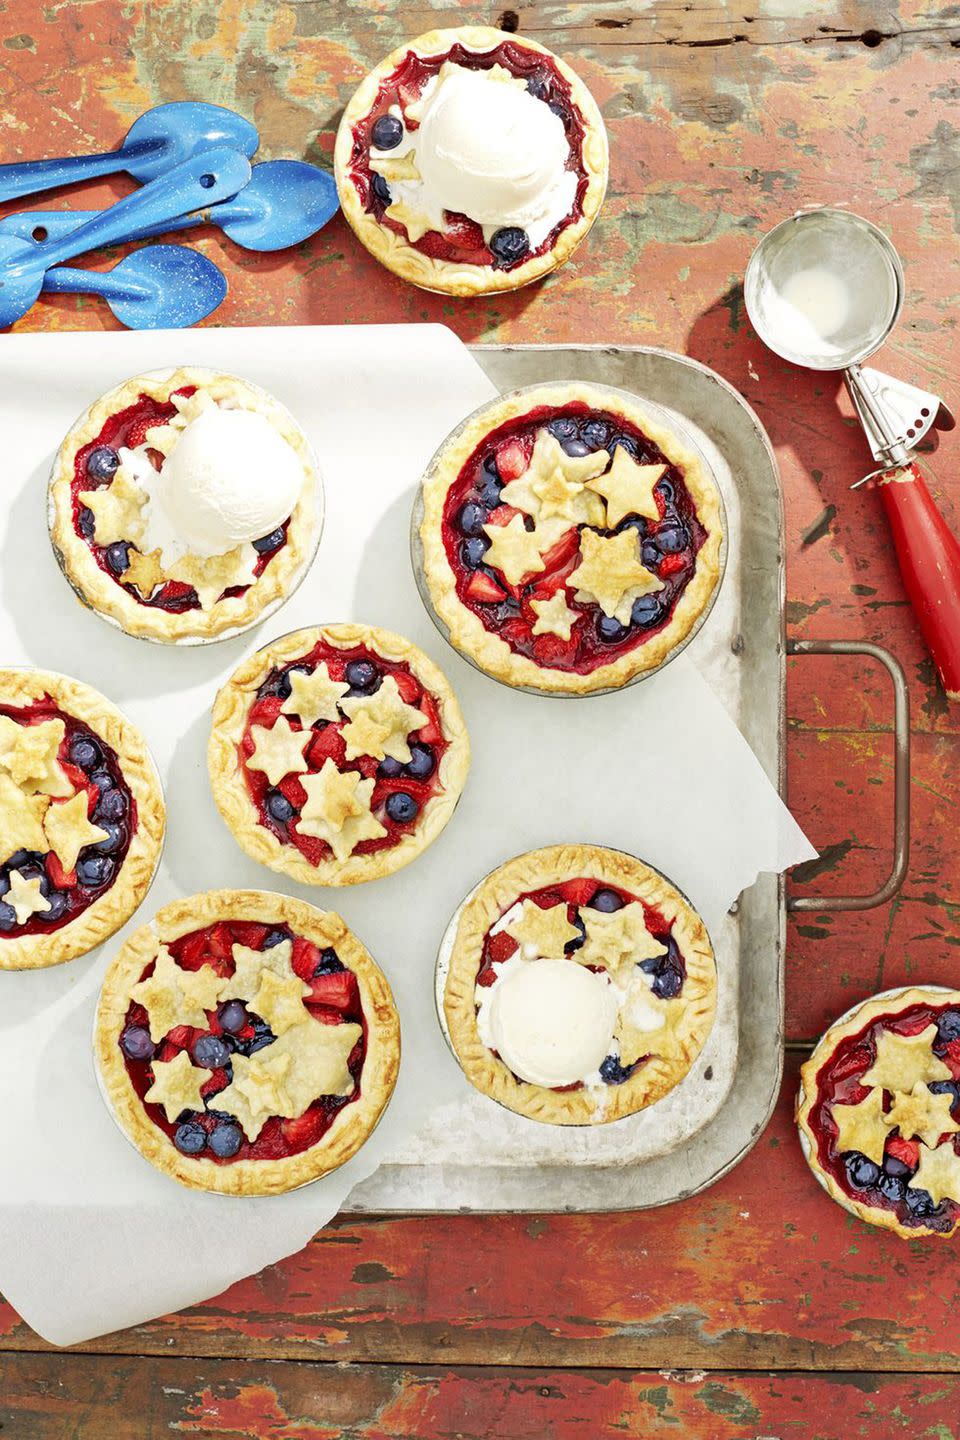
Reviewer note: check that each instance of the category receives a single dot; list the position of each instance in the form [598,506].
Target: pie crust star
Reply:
[365,736]
[618,937]
[413,221]
[117,509]
[25,897]
[315,696]
[338,809]
[319,1055]
[176,1084]
[648,1025]
[279,1001]
[628,488]
[542,934]
[21,819]
[513,550]
[145,572]
[396,167]
[388,708]
[211,575]
[68,829]
[922,1115]
[553,484]
[862,1126]
[938,1173]
[554,616]
[904,1061]
[172,996]
[252,965]
[611,574]
[257,1090]
[279,750]
[26,751]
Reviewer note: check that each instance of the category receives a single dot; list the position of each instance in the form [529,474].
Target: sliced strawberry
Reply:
[137,430]
[216,1083]
[483,589]
[192,952]
[906,1150]
[466,234]
[265,711]
[408,94]
[305,958]
[182,1036]
[175,590]
[220,942]
[432,732]
[312,849]
[558,554]
[326,1014]
[75,775]
[502,515]
[500,947]
[580,892]
[249,933]
[511,460]
[409,687]
[670,564]
[327,744]
[338,990]
[951,1056]
[515,631]
[60,878]
[305,1130]
[294,791]
[552,649]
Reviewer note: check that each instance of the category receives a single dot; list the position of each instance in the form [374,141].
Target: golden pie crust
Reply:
[891,1003]
[495,895]
[466,631]
[353,1123]
[446,276]
[228,616]
[113,908]
[230,712]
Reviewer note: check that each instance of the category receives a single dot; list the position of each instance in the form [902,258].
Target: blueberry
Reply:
[276,937]
[94,870]
[261,1026]
[488,493]
[422,762]
[4,882]
[489,468]
[269,542]
[85,753]
[607,901]
[948,1027]
[560,110]
[472,519]
[210,1052]
[579,939]
[279,807]
[892,1188]
[386,132]
[668,983]
[115,838]
[402,808]
[537,87]
[58,903]
[665,488]
[862,1173]
[103,780]
[225,1140]
[389,768]
[260,1042]
[102,463]
[508,246]
[8,916]
[472,552]
[190,1138]
[672,539]
[564,428]
[919,1202]
[86,522]
[596,433]
[628,443]
[136,1044]
[112,806]
[947,1087]
[613,1072]
[893,1166]
[363,675]
[232,1016]
[610,630]
[646,611]
[381,189]
[576,447]
[329,963]
[503,611]
[118,556]
[649,554]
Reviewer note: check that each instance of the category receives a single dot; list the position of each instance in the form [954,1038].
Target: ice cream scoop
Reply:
[550,1021]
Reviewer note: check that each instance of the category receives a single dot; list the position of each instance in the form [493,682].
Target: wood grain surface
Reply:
[723,119]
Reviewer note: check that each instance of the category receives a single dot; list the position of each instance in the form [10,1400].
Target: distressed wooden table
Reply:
[758,1309]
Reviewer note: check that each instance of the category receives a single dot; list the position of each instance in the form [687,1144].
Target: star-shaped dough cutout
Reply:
[861,1126]
[257,1090]
[319,1055]
[514,550]
[552,486]
[279,1001]
[117,509]
[413,221]
[25,897]
[365,736]
[21,819]
[250,966]
[610,573]
[211,575]
[938,1173]
[619,937]
[542,934]
[145,572]
[922,1115]
[338,809]
[647,1025]
[628,488]
[314,696]
[26,751]
[388,708]
[177,1084]
[279,750]
[396,167]
[172,996]
[554,616]
[68,829]
[904,1061]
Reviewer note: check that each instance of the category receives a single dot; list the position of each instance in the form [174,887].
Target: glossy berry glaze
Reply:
[128,428]
[668,547]
[334,1000]
[89,764]
[838,1082]
[463,241]
[669,971]
[419,780]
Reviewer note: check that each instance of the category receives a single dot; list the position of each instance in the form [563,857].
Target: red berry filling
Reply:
[419,780]
[668,546]
[128,428]
[886,1186]
[462,241]
[334,1000]
[89,764]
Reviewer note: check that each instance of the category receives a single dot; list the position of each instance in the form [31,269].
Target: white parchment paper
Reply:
[92,1239]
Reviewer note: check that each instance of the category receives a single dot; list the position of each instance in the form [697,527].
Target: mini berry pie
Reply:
[580,987]
[246,1043]
[185,505]
[81,819]
[568,540]
[471,161]
[337,754]
[879,1111]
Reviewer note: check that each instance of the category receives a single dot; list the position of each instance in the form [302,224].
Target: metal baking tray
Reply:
[742,652]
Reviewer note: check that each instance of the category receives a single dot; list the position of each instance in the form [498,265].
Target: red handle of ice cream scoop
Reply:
[929,557]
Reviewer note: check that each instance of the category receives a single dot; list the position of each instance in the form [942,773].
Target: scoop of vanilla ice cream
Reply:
[490,150]
[230,478]
[551,1021]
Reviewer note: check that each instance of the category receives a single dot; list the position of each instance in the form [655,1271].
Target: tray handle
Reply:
[901,777]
